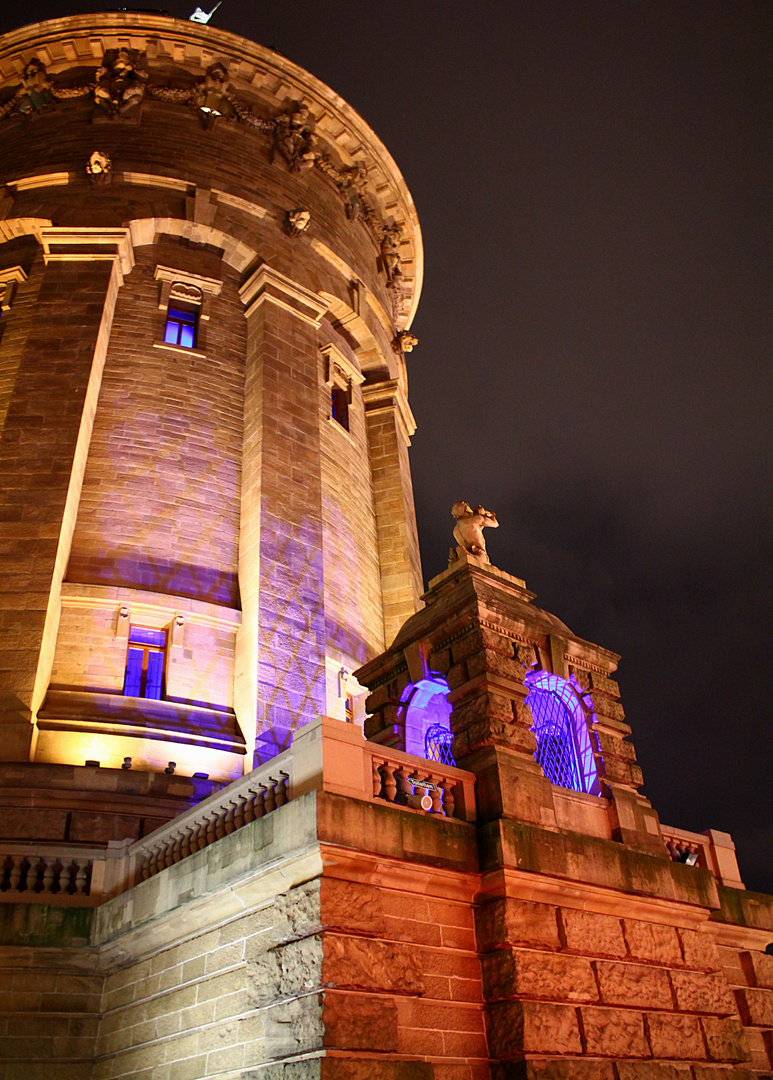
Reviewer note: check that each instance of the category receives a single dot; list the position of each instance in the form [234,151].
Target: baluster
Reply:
[404,785]
[390,784]
[281,788]
[185,847]
[449,803]
[212,830]
[249,807]
[169,859]
[202,836]
[82,876]
[35,874]
[260,801]
[220,823]
[67,877]
[376,779]
[177,848]
[228,823]
[435,794]
[155,861]
[48,876]
[239,812]
[269,796]
[16,869]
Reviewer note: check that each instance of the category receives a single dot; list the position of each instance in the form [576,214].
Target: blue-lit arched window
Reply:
[560,714]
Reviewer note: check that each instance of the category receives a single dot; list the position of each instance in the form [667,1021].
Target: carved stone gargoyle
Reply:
[468,531]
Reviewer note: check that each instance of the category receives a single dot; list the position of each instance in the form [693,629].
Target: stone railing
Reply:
[47,874]
[712,850]
[257,794]
[327,755]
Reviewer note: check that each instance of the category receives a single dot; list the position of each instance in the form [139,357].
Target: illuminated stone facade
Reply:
[208,269]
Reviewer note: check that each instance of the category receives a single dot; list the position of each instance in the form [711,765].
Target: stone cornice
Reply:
[267,285]
[389,396]
[262,84]
[88,245]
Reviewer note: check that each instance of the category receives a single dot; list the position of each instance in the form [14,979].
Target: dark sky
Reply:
[593,182]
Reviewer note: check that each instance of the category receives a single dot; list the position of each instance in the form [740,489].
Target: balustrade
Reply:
[219,816]
[426,786]
[46,875]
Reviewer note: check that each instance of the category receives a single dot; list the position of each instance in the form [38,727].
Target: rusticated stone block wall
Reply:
[615,998]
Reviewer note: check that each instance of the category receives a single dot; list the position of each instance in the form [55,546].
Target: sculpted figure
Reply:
[406,341]
[354,190]
[470,524]
[297,221]
[211,96]
[37,87]
[390,256]
[294,138]
[99,168]
[120,82]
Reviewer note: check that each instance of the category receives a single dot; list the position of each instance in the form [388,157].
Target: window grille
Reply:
[555,742]
[437,745]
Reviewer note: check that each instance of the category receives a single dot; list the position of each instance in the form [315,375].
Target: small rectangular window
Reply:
[339,406]
[180,328]
[145,663]
[349,709]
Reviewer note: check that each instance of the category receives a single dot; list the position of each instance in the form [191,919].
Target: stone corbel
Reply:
[8,281]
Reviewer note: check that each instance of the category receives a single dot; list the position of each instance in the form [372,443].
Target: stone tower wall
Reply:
[207,492]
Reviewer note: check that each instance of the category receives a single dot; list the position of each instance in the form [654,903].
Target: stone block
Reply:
[652,1070]
[633,984]
[355,1022]
[699,950]
[350,1068]
[617,1033]
[652,941]
[516,1027]
[592,934]
[361,964]
[293,1027]
[511,973]
[297,912]
[698,991]
[294,968]
[758,969]
[719,1072]
[349,906]
[724,1039]
[675,1036]
[568,1069]
[755,1007]
[516,922]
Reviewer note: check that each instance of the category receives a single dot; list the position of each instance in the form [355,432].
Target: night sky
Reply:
[593,182]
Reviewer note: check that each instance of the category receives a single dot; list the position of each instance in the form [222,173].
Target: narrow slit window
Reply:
[145,663]
[180,328]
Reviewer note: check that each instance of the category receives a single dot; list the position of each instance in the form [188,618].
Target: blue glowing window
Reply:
[145,663]
[561,729]
[180,329]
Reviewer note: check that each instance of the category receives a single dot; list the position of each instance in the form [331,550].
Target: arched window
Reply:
[427,712]
[560,711]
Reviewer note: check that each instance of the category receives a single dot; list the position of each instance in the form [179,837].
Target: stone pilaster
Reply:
[280,673]
[61,335]
[390,426]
